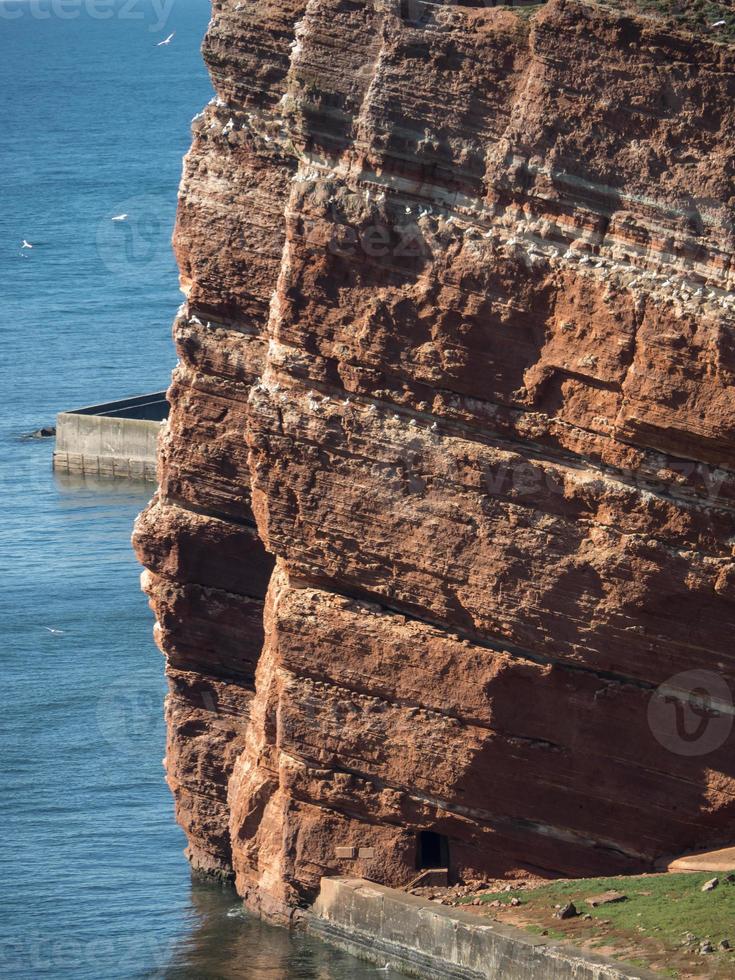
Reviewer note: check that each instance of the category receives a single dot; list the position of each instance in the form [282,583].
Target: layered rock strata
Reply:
[457,355]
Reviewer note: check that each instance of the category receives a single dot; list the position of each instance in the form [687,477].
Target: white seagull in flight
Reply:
[166,40]
[55,632]
[26,244]
[120,217]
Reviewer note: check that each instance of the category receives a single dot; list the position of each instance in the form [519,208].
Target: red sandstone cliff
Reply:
[457,355]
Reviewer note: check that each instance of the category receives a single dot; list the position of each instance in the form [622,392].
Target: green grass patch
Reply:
[663,908]
[526,13]
[696,16]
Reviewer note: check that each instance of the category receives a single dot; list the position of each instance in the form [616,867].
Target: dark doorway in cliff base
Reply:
[432,850]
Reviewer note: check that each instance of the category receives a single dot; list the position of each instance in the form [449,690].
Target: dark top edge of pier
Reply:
[149,407]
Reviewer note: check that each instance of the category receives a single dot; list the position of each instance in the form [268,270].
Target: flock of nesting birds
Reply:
[517,235]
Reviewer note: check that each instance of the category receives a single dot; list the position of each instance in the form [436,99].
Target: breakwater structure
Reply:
[116,439]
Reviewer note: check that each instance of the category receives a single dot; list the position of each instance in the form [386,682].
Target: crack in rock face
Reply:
[443,543]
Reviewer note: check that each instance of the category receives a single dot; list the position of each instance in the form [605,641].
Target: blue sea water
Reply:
[94,120]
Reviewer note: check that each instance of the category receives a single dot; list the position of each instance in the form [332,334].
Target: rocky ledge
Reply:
[442,553]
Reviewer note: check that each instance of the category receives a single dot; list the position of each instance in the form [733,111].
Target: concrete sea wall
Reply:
[117,439]
[434,942]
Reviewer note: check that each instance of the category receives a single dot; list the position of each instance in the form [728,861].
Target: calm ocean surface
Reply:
[94,120]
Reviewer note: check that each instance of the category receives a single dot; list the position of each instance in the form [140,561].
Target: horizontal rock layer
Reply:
[457,354]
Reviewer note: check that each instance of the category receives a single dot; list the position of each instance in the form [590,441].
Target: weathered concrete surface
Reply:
[431,941]
[117,439]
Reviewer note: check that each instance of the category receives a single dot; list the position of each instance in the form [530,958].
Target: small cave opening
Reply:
[432,850]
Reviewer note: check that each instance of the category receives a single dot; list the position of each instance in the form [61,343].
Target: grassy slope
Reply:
[692,15]
[649,927]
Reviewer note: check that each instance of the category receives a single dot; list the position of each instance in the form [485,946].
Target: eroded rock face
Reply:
[457,354]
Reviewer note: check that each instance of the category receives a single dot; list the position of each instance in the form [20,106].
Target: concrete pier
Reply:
[117,439]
